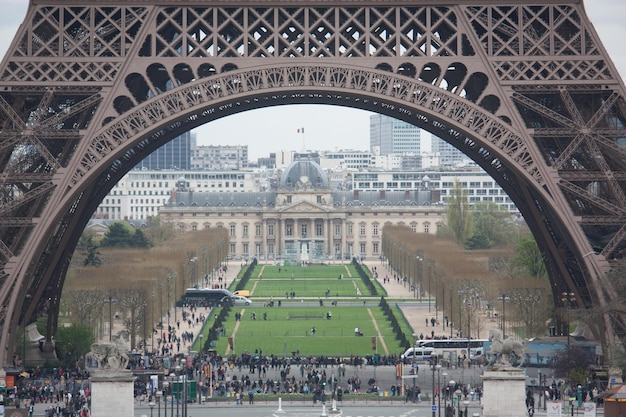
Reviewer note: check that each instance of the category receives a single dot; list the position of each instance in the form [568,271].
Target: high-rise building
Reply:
[219,157]
[175,154]
[448,155]
[393,136]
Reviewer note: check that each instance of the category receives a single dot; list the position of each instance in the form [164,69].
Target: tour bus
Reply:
[458,347]
[205,297]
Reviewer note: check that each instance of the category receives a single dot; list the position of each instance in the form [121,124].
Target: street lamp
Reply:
[172,400]
[158,400]
[430,266]
[445,375]
[414,371]
[176,389]
[181,388]
[145,326]
[504,298]
[169,287]
[435,367]
[419,273]
[449,388]
[450,327]
[465,403]
[165,387]
[443,302]
[568,300]
[110,299]
[459,325]
[152,327]
[458,394]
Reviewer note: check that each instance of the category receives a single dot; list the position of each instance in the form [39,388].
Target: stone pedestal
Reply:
[112,393]
[504,393]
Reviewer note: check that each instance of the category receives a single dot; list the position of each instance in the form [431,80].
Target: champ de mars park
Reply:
[359,312]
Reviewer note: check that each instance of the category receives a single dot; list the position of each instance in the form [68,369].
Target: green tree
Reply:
[492,226]
[88,237]
[528,258]
[158,232]
[91,253]
[477,241]
[459,216]
[140,240]
[72,343]
[119,235]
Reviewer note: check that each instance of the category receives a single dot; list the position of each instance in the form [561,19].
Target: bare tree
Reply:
[132,303]
[532,306]
[84,306]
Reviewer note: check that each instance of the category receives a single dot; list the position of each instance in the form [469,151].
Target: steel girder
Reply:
[526,90]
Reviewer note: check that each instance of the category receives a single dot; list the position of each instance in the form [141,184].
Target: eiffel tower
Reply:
[525,89]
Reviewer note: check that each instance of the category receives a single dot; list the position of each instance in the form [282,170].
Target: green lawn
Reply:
[311,281]
[288,329]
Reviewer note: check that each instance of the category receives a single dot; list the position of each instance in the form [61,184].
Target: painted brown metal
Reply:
[87,89]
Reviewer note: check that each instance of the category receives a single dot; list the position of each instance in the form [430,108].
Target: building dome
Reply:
[302,175]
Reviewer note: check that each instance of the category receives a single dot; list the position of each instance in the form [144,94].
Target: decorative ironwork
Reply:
[526,90]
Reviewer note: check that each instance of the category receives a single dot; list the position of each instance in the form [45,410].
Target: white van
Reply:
[422,354]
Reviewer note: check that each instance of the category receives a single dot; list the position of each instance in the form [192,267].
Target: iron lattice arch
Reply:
[525,90]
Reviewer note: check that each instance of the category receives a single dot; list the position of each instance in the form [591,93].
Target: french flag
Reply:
[301,130]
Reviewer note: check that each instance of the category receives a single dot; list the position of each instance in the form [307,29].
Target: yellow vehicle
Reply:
[242,293]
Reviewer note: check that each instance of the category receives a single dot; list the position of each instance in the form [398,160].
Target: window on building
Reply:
[257,249]
[426,227]
[232,249]
[246,249]
[288,199]
[303,230]
[349,229]
[232,230]
[289,229]
[194,227]
[245,230]
[270,230]
[362,249]
[337,249]
[414,227]
[375,248]
[319,199]
[375,229]
[362,231]
[337,230]
[257,230]
[319,229]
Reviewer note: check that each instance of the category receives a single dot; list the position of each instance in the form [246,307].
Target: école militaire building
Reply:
[303,219]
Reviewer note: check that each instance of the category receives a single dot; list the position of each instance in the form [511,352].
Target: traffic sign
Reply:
[433,407]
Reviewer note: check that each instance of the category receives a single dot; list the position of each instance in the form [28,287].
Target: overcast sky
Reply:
[273,129]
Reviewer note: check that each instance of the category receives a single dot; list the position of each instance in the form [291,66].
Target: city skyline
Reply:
[276,128]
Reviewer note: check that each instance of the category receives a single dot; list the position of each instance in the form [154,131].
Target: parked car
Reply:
[239,300]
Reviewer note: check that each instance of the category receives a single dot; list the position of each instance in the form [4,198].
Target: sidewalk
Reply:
[419,316]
